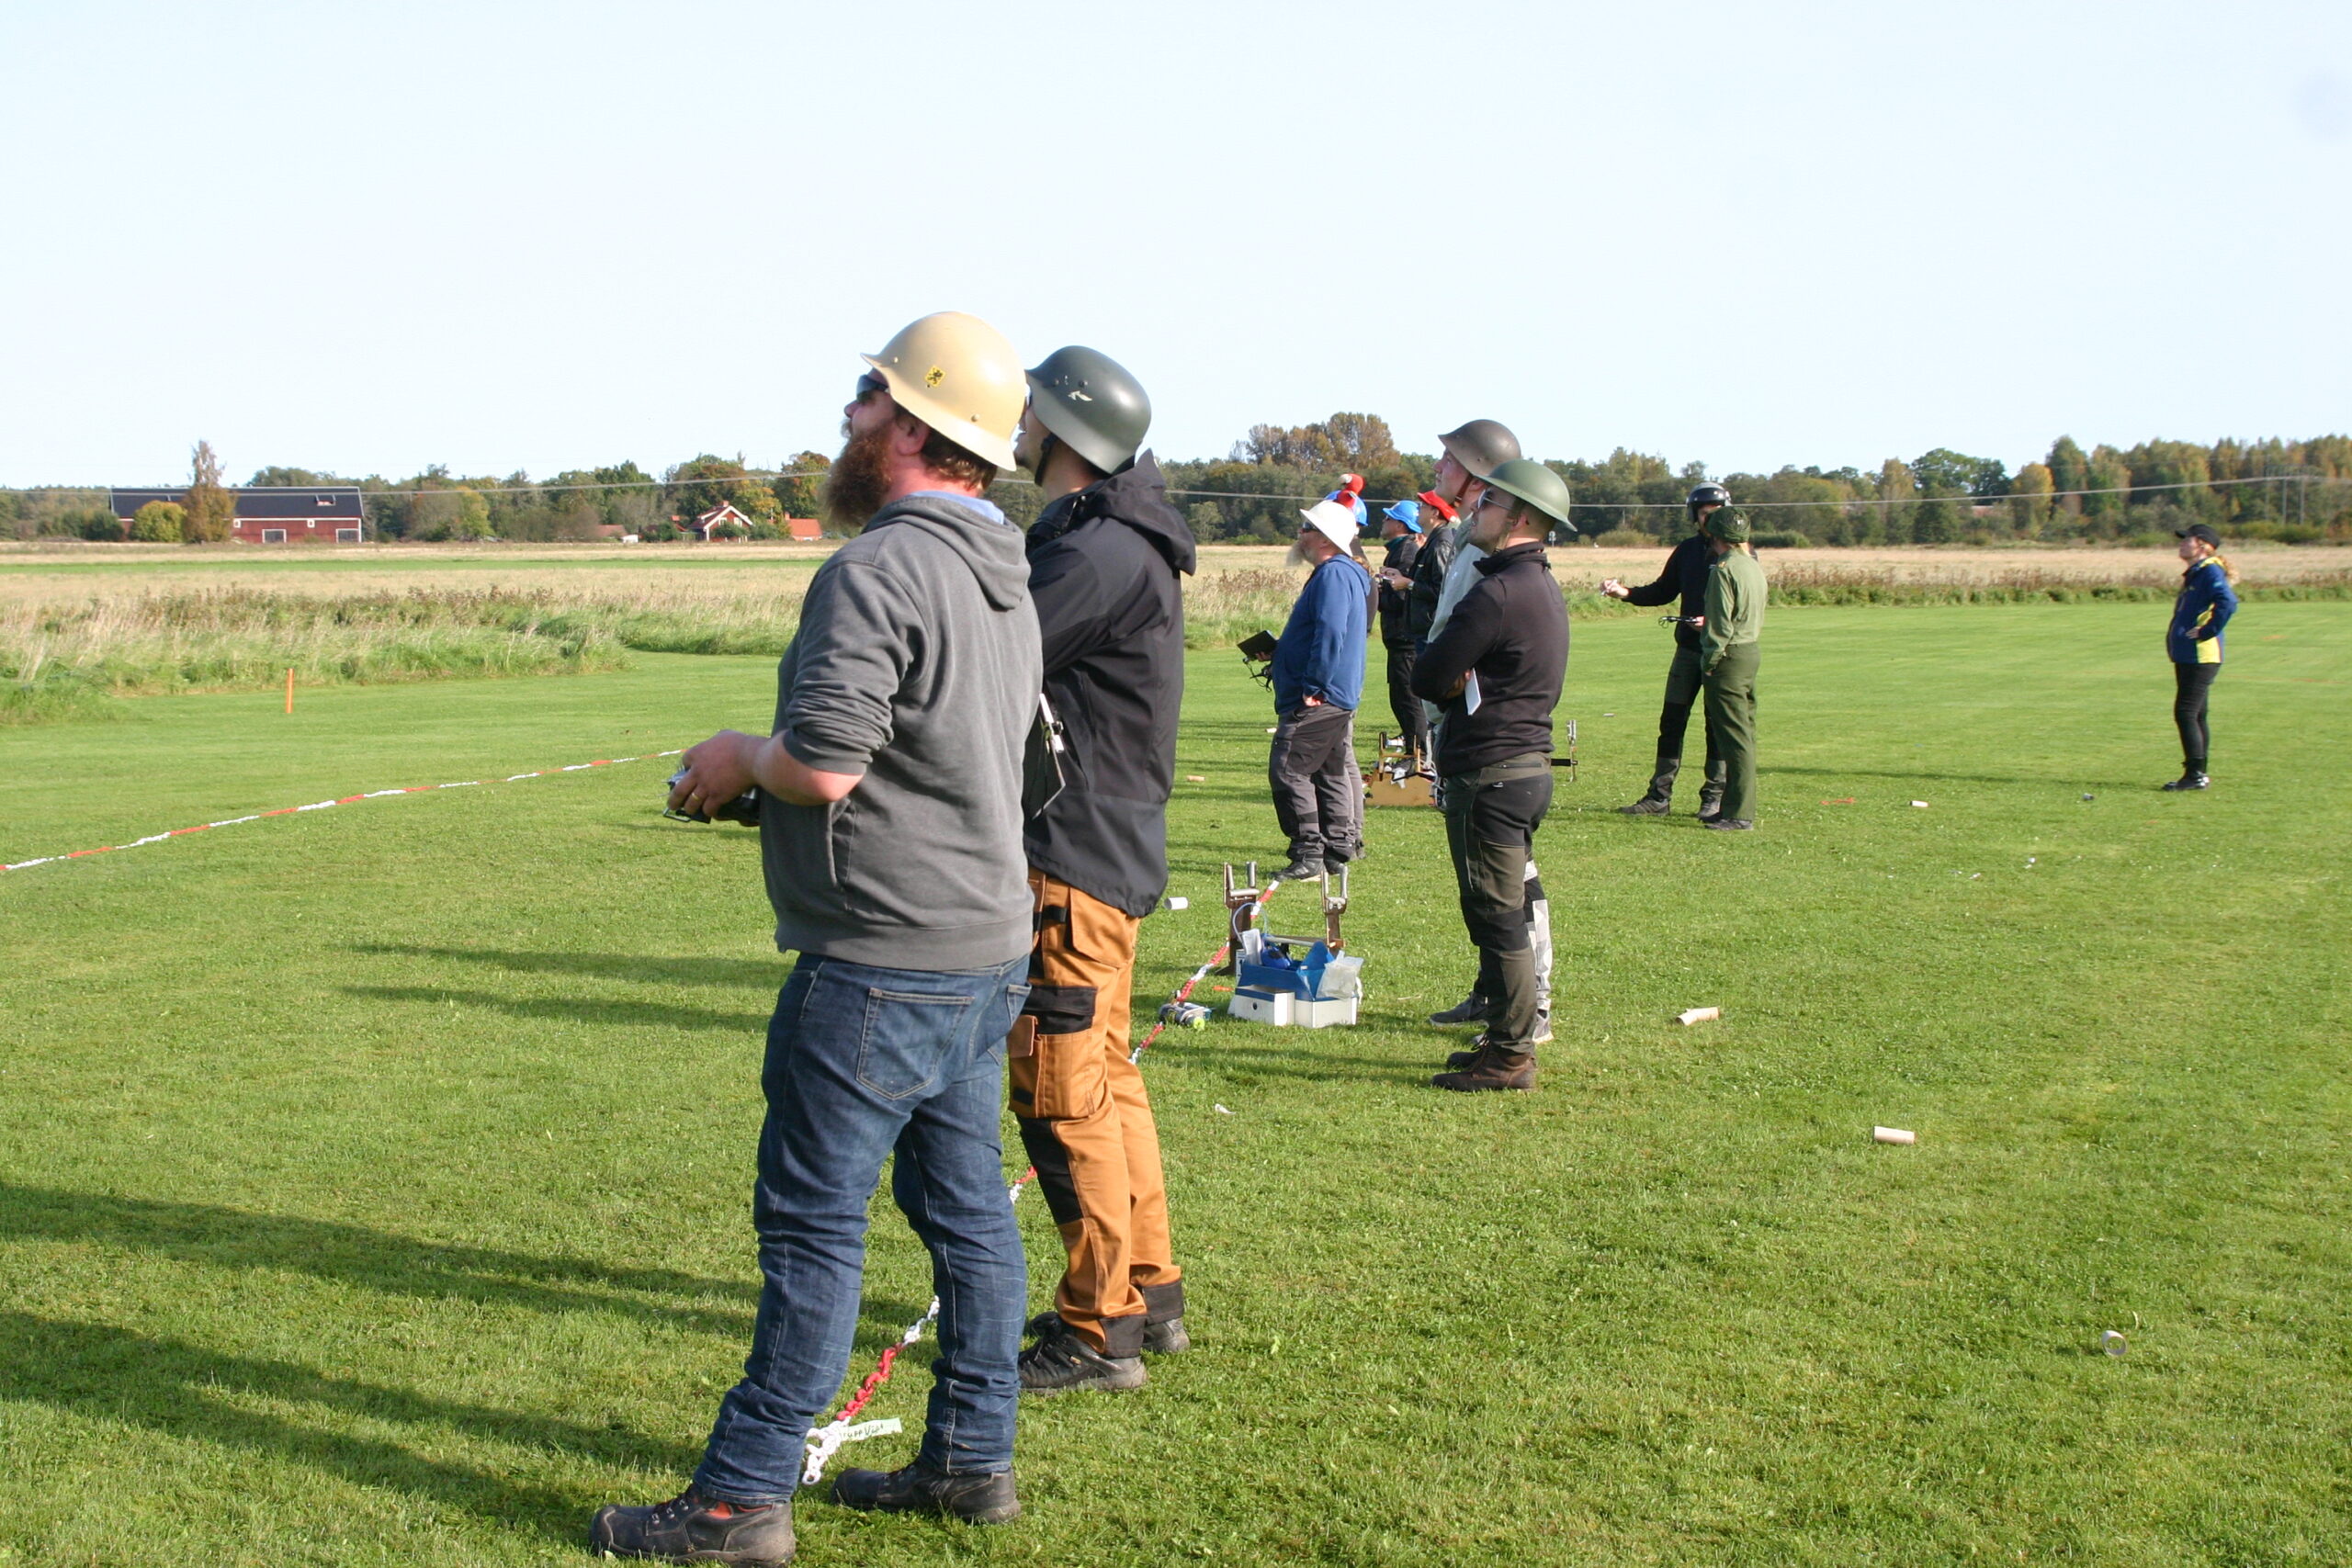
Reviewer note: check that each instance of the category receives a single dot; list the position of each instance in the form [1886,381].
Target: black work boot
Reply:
[977,1499]
[1163,1320]
[1502,1069]
[1162,1335]
[1061,1361]
[1300,869]
[2192,776]
[1473,1009]
[1480,1046]
[691,1527]
[1463,1061]
[1660,798]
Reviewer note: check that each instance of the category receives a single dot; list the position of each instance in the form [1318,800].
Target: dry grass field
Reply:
[83,624]
[54,570]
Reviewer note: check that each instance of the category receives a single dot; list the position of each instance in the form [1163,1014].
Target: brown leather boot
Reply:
[1501,1069]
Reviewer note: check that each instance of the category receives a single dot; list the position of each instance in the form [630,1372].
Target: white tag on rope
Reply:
[827,1440]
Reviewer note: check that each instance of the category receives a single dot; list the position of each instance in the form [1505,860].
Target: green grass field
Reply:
[373,1181]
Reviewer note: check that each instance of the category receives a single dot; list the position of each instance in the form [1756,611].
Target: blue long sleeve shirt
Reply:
[2206,604]
[1320,653]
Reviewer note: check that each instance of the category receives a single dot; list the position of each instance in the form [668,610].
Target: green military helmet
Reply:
[1724,524]
[1536,485]
[1089,402]
[1481,446]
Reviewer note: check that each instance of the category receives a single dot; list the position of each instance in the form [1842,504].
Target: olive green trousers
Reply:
[1730,688]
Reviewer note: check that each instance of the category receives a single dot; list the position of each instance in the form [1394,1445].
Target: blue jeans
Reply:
[863,1063]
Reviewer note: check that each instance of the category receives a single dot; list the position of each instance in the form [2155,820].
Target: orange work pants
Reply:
[1086,1122]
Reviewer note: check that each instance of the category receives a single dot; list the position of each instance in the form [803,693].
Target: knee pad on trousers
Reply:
[1052,1160]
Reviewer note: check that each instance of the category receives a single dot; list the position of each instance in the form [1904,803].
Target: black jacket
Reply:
[1402,550]
[1103,567]
[1684,577]
[1438,548]
[1511,631]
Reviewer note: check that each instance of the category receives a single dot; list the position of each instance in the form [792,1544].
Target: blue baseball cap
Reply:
[1408,512]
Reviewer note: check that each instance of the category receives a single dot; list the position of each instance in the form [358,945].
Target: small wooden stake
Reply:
[290,688]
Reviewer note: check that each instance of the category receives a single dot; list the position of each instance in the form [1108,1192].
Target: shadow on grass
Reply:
[1273,1061]
[766,975]
[171,1386]
[2046,781]
[569,1010]
[380,1260]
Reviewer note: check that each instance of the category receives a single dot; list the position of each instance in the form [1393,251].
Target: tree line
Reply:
[2293,491]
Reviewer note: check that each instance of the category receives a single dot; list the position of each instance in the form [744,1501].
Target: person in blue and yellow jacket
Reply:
[2207,600]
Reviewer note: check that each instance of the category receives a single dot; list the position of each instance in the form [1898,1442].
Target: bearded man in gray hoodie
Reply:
[890,824]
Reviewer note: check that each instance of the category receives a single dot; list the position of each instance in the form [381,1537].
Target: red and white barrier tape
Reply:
[323,804]
[1185,992]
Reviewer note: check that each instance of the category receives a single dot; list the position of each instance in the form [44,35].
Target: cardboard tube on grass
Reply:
[1894,1135]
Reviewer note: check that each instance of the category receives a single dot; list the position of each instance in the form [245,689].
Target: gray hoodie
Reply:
[916,664]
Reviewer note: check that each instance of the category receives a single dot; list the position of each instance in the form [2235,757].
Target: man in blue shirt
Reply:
[1319,680]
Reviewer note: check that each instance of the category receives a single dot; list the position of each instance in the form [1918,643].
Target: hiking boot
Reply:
[1061,1361]
[1727,824]
[2193,779]
[1658,798]
[1479,1047]
[1300,871]
[1501,1070]
[1163,1320]
[1166,1337]
[977,1499]
[1472,1009]
[1462,1061]
[691,1527]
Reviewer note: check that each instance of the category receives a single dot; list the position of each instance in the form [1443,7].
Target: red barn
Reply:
[287,515]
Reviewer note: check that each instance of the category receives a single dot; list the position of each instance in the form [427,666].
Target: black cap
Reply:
[2198,531]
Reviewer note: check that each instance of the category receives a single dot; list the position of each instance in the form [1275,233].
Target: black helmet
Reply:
[1087,400]
[1482,446]
[1709,495]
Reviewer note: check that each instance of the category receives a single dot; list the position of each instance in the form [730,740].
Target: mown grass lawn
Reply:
[373,1181]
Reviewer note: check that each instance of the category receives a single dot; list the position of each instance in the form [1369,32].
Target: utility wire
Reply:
[525,488]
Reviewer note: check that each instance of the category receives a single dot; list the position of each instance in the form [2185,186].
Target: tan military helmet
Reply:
[957,375]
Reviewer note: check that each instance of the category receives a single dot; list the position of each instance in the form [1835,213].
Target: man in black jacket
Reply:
[1684,578]
[1105,556]
[1497,668]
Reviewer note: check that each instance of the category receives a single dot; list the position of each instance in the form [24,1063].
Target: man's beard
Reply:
[1299,555]
[859,480]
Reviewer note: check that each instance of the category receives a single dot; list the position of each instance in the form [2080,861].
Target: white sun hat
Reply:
[1333,521]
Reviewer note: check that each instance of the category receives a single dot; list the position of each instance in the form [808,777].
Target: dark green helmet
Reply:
[1724,524]
[1087,400]
[1481,446]
[1536,485]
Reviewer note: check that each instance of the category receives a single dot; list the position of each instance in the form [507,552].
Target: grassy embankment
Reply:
[373,1183]
[79,630]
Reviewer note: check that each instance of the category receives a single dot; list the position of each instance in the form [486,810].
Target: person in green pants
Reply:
[1727,658]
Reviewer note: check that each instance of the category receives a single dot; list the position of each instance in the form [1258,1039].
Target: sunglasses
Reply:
[1495,498]
[869,384]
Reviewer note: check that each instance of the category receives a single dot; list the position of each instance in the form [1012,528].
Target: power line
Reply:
[367,493]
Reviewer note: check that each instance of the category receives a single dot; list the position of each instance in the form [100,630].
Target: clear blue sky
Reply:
[540,236]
